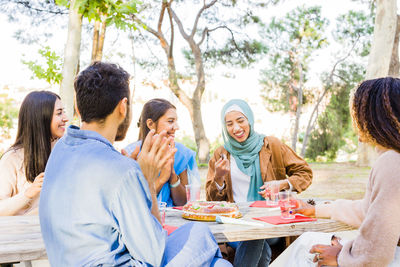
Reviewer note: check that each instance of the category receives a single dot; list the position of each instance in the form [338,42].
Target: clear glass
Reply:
[287,202]
[272,190]
[162,206]
[193,192]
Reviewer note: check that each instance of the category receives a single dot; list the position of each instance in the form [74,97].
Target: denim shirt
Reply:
[95,206]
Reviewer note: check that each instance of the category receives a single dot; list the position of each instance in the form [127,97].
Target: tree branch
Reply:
[161,18]
[206,31]
[28,5]
[171,43]
[180,26]
[196,21]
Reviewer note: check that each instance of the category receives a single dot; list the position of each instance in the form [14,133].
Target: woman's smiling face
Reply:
[168,122]
[237,126]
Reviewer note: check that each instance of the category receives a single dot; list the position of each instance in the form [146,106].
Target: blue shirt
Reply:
[184,159]
[95,206]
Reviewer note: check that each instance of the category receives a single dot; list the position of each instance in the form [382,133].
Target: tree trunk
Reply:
[100,44]
[298,108]
[96,31]
[380,59]
[203,145]
[394,62]
[71,59]
[98,39]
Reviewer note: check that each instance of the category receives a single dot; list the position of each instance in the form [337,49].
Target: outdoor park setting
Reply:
[221,95]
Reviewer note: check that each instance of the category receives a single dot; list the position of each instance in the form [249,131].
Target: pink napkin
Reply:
[169,228]
[279,220]
[262,204]
[178,207]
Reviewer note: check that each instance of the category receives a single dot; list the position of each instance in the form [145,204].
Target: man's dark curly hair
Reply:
[376,112]
[99,88]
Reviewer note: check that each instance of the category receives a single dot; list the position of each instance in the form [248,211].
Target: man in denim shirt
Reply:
[98,207]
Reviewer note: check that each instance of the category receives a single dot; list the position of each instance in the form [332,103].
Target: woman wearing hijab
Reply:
[238,169]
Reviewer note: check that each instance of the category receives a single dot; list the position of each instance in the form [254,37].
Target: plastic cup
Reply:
[162,206]
[272,190]
[287,202]
[193,192]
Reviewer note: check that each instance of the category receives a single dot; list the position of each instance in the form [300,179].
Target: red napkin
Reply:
[178,207]
[262,204]
[169,228]
[279,220]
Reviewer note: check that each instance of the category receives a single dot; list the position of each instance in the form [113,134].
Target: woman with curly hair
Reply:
[376,115]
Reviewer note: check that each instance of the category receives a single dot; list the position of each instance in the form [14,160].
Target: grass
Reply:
[330,181]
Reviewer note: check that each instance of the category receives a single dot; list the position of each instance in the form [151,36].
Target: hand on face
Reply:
[155,155]
[325,254]
[35,188]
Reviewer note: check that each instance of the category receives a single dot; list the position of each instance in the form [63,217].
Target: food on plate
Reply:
[208,210]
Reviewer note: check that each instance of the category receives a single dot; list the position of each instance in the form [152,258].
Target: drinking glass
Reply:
[287,202]
[272,190]
[162,206]
[193,192]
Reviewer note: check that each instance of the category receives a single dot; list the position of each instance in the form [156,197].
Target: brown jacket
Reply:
[277,161]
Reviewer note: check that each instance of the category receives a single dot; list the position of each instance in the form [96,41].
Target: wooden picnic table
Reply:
[21,239]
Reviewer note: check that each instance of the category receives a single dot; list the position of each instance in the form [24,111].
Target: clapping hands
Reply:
[157,154]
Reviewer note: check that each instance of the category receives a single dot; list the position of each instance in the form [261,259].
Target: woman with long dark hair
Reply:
[41,121]
[376,116]
[159,114]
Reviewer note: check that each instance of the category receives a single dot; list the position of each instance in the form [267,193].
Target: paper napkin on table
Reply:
[262,204]
[279,220]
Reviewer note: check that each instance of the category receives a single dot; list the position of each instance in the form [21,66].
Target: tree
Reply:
[292,41]
[353,32]
[117,13]
[206,22]
[71,58]
[383,56]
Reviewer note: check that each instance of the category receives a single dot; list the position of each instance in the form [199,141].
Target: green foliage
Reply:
[8,112]
[51,71]
[118,12]
[334,125]
[292,40]
[355,26]
[334,130]
[234,53]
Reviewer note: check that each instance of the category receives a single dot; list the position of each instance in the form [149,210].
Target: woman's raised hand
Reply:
[35,188]
[222,168]
[156,153]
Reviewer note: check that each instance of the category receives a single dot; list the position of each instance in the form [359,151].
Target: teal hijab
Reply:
[246,153]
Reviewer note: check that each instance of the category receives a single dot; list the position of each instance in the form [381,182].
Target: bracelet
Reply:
[175,184]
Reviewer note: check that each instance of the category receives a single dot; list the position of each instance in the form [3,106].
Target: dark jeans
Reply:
[253,253]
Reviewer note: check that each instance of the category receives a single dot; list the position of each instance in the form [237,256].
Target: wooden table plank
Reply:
[231,232]
[21,239]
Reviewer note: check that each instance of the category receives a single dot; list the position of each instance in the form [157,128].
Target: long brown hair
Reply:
[153,109]
[376,112]
[34,131]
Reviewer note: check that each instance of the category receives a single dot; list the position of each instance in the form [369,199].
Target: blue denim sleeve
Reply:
[140,230]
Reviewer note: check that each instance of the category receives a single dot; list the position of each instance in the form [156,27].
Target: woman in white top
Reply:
[238,169]
[41,121]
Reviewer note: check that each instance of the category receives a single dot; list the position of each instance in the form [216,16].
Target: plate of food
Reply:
[208,210]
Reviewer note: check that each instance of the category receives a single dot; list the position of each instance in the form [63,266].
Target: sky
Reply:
[219,88]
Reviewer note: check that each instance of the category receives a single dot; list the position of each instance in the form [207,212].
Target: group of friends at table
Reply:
[98,206]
